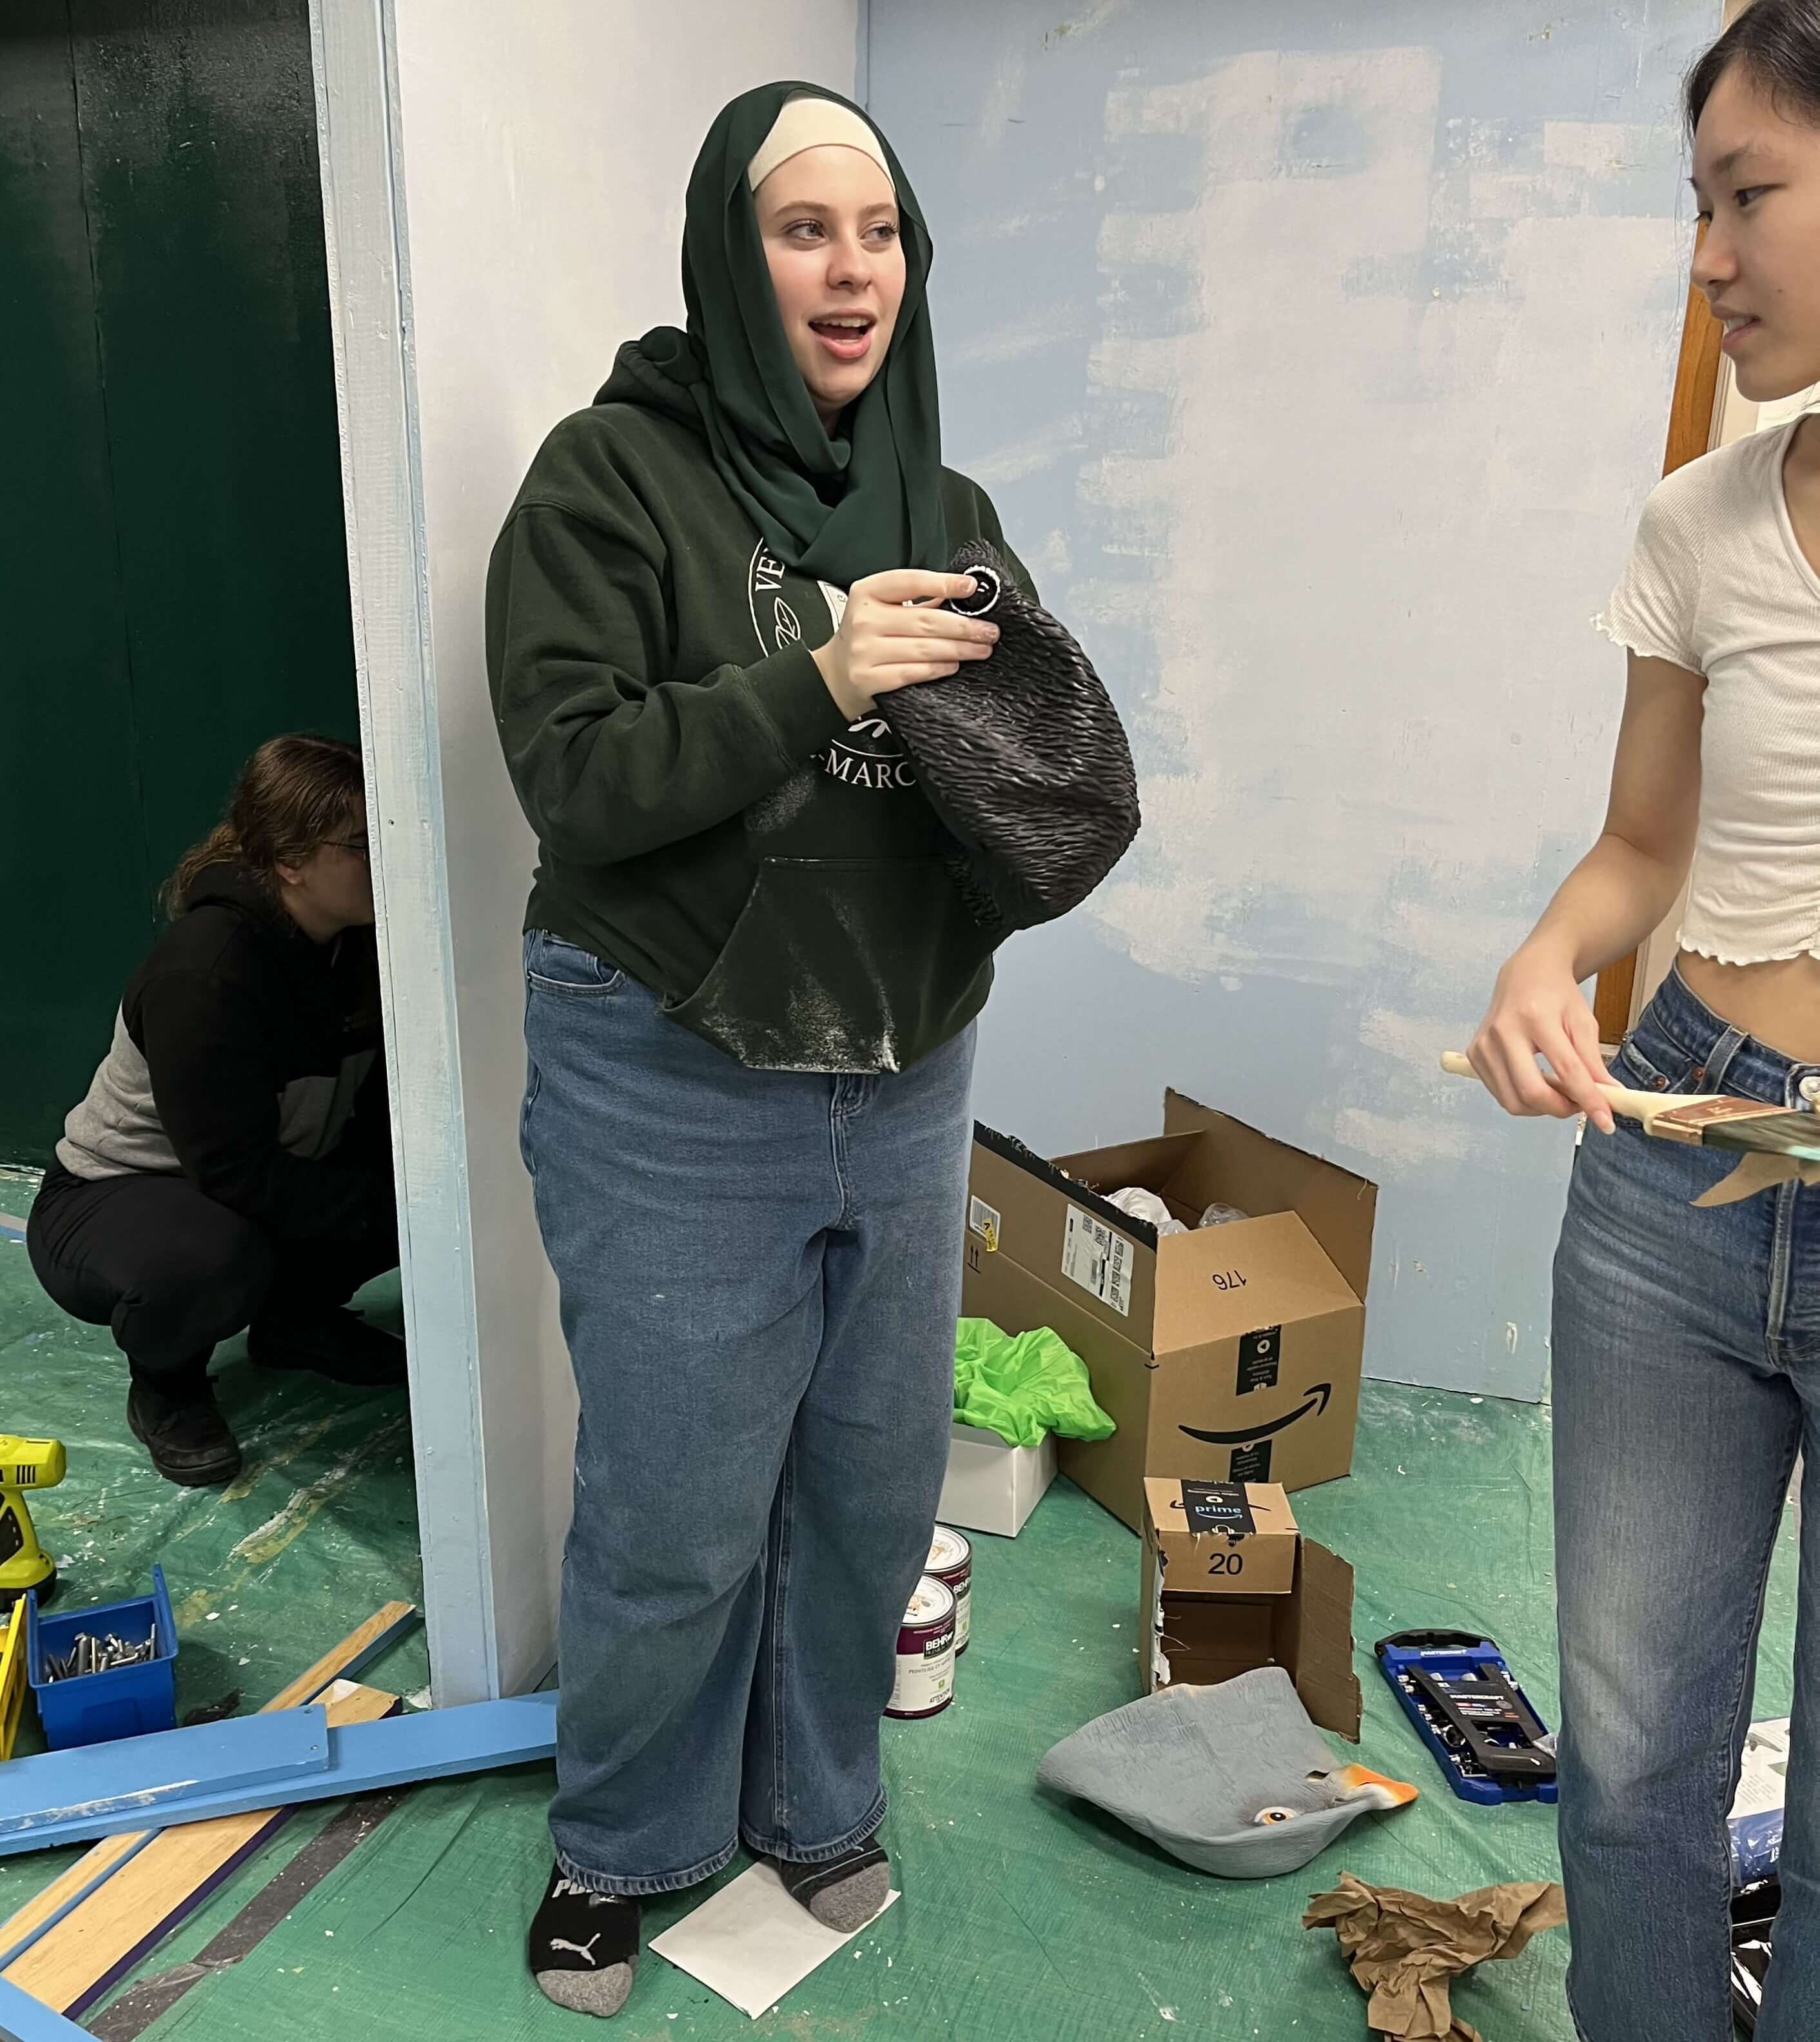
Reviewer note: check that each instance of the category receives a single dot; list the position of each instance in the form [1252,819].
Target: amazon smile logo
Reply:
[1315,1402]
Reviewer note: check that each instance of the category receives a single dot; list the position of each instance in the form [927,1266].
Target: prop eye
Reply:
[1268,1818]
[988,587]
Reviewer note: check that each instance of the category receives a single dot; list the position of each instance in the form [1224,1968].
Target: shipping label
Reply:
[1261,1354]
[1098,1257]
[1252,1464]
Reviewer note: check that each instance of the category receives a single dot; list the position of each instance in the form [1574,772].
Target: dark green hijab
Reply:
[864,499]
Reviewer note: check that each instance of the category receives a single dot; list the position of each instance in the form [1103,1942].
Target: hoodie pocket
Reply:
[840,965]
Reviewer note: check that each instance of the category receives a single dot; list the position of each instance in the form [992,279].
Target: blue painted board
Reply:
[363,1758]
[25,2019]
[128,1781]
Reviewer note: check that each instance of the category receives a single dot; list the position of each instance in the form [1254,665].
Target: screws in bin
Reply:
[89,1654]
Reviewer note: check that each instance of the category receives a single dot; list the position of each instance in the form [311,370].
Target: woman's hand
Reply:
[891,637]
[1538,1009]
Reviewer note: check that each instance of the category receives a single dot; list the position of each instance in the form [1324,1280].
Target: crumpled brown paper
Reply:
[1404,1948]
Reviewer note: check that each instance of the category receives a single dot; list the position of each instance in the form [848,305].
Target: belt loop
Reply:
[1724,1052]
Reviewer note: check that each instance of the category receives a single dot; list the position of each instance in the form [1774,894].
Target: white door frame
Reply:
[353,51]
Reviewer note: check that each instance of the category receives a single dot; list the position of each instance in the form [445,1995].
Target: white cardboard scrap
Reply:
[1763,1781]
[751,1942]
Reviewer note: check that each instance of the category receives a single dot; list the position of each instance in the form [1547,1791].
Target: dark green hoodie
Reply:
[706,819]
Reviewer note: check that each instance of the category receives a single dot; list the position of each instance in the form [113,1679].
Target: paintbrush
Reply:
[1706,1120]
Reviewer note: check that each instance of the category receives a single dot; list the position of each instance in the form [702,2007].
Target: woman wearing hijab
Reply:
[751,986]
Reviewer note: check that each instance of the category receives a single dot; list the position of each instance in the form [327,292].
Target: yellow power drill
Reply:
[23,1563]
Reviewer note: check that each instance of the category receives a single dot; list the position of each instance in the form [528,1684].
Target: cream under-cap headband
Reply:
[808,122]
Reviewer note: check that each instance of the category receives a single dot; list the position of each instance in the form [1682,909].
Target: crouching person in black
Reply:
[231,1166]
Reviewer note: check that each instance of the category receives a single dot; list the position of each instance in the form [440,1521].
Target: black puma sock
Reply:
[842,1893]
[584,1946]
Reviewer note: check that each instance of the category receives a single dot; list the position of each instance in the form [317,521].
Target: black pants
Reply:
[172,1272]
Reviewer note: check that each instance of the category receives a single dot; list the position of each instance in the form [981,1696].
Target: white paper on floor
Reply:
[752,1943]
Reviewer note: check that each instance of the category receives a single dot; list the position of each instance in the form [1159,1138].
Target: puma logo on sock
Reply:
[583,1946]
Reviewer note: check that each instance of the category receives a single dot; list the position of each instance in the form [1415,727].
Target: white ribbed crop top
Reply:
[1717,583]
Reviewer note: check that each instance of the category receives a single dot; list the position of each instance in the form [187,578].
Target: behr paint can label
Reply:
[951,1563]
[925,1682]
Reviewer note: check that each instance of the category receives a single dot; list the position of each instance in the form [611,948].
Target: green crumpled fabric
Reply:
[1022,1385]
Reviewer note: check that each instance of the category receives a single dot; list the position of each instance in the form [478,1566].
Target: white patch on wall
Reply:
[1403,1146]
[1399,455]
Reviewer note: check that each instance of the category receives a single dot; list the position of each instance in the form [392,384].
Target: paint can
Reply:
[951,1563]
[925,1682]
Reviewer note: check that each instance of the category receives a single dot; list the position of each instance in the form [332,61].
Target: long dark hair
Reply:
[291,796]
[1778,41]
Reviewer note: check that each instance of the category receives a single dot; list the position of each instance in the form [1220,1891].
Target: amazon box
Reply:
[1223,1538]
[1230,1353]
[1202,1625]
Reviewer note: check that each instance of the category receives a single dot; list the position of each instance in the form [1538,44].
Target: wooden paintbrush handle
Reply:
[1643,1106]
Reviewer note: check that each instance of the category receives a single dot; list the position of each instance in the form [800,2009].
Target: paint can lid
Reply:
[933,1602]
[948,1550]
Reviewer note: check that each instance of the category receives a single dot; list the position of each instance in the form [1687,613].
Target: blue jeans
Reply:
[1687,1377]
[760,1272]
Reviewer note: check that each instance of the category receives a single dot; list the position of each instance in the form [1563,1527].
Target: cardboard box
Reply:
[1197,1633]
[991,1486]
[1223,1538]
[1229,1353]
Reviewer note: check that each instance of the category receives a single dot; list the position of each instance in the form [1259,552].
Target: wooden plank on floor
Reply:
[99,1941]
[64,1892]
[129,2016]
[347,1660]
[357,1651]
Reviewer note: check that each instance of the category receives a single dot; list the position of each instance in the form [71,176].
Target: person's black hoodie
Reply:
[706,819]
[247,1056]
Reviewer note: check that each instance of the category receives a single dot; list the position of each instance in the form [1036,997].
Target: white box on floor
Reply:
[991,1486]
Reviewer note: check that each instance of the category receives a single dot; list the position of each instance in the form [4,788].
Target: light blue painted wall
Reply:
[1318,359]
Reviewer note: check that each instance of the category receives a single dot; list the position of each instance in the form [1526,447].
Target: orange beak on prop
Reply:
[1359,1783]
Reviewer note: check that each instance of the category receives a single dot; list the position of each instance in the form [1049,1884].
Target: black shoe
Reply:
[338,1343]
[188,1438]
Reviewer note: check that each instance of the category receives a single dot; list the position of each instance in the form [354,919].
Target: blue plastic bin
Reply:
[92,1708]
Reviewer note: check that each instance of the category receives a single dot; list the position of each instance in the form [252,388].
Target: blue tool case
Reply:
[1456,1689]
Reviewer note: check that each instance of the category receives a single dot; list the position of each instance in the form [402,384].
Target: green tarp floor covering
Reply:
[1023,1917]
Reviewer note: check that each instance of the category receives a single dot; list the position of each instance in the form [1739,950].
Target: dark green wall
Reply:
[173,573]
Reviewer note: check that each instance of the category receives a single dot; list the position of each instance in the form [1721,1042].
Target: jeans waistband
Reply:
[1724,1058]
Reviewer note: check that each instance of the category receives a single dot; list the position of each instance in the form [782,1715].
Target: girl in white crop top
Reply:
[1686,1338]
[1719,588]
